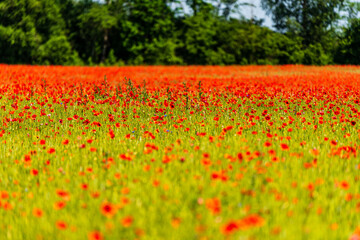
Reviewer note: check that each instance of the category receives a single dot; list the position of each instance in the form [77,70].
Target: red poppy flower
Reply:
[95,235]
[108,209]
[284,146]
[127,221]
[61,225]
[34,172]
[37,212]
[51,150]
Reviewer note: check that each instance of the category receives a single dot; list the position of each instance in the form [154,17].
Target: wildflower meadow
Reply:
[255,152]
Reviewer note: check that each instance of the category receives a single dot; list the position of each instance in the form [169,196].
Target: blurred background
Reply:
[179,32]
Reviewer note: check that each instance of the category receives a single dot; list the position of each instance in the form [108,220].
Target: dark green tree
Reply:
[147,31]
[95,25]
[197,38]
[28,25]
[313,20]
[349,47]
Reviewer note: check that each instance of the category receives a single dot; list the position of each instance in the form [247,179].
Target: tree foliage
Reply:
[174,32]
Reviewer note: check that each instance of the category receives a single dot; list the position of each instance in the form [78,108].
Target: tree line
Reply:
[178,32]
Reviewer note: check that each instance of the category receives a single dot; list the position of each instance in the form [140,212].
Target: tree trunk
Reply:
[106,39]
[305,21]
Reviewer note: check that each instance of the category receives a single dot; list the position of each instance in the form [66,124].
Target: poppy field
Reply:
[255,152]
